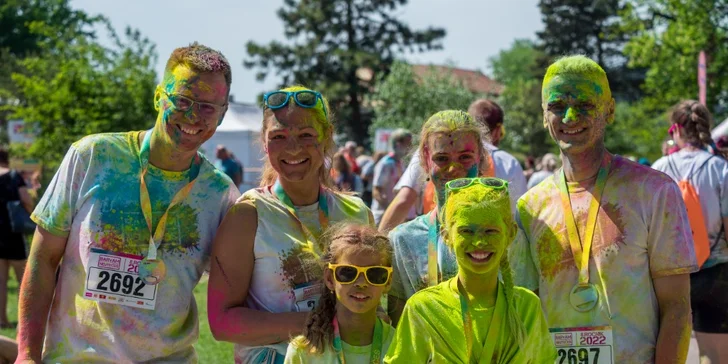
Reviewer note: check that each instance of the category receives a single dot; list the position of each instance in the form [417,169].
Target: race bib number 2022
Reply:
[583,345]
[114,278]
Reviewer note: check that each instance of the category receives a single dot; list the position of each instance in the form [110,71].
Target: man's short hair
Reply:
[199,58]
[579,65]
[487,113]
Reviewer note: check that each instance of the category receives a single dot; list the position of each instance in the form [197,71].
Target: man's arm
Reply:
[36,293]
[397,211]
[673,298]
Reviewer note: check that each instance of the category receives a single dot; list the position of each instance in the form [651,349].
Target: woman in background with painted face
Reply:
[265,270]
[474,317]
[451,146]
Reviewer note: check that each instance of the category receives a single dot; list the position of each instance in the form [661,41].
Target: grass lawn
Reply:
[208,350]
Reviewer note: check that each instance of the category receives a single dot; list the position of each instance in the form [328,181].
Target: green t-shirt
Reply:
[431,328]
[353,354]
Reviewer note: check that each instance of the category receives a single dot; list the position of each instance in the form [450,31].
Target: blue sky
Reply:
[476,29]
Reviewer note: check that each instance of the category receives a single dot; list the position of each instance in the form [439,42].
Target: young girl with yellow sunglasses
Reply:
[344,327]
[474,317]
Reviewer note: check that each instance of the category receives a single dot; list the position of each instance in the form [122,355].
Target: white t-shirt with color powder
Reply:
[94,200]
[287,272]
[709,176]
[386,174]
[642,233]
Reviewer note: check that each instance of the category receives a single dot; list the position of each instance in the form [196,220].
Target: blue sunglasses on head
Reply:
[305,98]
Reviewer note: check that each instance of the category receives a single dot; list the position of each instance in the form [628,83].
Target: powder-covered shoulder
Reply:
[409,232]
[429,295]
[536,195]
[525,296]
[109,143]
[351,201]
[215,178]
[632,175]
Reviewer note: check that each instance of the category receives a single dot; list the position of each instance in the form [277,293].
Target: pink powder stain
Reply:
[219,319]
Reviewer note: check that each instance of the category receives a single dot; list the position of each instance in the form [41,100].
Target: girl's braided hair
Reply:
[695,121]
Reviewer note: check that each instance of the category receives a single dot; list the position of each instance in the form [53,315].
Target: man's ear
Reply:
[610,111]
[157,98]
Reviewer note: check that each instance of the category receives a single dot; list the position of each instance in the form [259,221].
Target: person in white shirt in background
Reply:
[388,171]
[408,202]
[549,163]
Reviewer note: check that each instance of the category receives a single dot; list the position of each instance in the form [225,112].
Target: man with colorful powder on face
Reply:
[605,242]
[131,217]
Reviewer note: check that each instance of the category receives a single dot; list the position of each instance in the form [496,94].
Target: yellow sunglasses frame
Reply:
[359,271]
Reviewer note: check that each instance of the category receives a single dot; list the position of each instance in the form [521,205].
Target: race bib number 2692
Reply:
[583,345]
[114,278]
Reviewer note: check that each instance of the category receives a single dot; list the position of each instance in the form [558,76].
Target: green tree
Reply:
[72,89]
[636,132]
[330,40]
[592,28]
[18,17]
[403,100]
[518,69]
[666,38]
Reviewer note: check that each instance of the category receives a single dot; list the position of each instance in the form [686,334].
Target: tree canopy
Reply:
[329,40]
[71,85]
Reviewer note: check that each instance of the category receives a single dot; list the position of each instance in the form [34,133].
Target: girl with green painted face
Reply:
[265,275]
[474,317]
[451,146]
[344,327]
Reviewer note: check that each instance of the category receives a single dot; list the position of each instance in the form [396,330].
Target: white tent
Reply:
[240,134]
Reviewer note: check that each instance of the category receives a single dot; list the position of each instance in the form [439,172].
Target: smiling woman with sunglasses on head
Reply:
[474,317]
[344,326]
[451,146]
[265,275]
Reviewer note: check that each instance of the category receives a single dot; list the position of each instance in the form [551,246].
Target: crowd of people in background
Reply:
[443,248]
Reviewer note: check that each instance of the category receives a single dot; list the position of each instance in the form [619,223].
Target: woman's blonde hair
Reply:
[450,121]
[497,200]
[345,237]
[324,119]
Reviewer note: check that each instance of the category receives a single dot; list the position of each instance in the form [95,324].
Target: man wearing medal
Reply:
[131,217]
[605,242]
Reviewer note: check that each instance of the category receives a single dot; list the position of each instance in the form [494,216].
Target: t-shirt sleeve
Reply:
[411,343]
[412,176]
[669,237]
[539,345]
[520,257]
[399,272]
[19,181]
[382,174]
[58,206]
[516,182]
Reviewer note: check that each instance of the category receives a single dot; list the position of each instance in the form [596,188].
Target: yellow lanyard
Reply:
[582,250]
[155,238]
